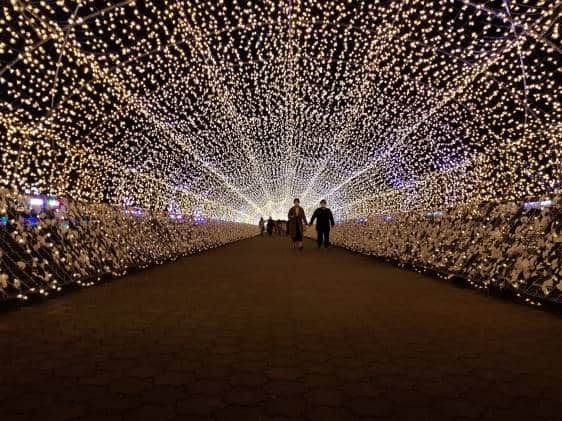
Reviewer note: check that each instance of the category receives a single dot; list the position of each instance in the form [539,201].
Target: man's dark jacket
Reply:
[325,219]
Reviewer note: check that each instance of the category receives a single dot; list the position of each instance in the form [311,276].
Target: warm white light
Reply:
[235,108]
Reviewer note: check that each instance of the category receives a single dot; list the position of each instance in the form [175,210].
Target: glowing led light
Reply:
[177,217]
[136,212]
[235,108]
[434,214]
[53,203]
[30,222]
[538,204]
[36,202]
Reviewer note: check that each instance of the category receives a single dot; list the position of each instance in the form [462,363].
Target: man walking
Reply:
[325,221]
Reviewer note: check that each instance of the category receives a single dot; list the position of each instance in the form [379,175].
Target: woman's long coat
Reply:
[296,219]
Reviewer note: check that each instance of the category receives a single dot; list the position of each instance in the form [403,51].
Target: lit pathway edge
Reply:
[47,244]
[505,246]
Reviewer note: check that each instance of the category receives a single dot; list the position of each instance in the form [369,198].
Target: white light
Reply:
[36,201]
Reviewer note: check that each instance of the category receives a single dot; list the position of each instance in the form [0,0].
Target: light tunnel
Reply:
[228,111]
[143,141]
[405,116]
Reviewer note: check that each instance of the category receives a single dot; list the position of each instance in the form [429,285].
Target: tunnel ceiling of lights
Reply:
[232,107]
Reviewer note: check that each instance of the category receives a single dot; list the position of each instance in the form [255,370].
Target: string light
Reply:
[235,107]
[405,115]
[502,246]
[46,248]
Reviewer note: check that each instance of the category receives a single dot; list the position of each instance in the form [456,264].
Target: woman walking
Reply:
[297,222]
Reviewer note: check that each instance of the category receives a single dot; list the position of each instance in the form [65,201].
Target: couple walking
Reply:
[297,223]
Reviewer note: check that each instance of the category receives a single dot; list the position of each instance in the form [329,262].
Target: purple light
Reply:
[537,205]
[434,214]
[177,217]
[136,212]
[30,221]
[199,220]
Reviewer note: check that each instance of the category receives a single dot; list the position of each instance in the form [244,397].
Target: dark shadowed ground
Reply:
[255,331]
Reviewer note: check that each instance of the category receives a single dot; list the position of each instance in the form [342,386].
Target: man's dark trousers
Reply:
[323,237]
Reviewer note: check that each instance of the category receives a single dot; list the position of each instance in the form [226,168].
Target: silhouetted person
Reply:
[297,221]
[283,228]
[325,220]
[270,225]
[261,224]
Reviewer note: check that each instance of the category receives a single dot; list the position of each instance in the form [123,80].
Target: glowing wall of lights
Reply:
[48,244]
[503,245]
[232,108]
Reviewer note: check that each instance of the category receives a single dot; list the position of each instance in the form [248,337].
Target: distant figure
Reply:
[282,228]
[325,221]
[296,223]
[278,229]
[261,225]
[270,225]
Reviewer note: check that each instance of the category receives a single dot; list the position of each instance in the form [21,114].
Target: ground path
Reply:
[256,331]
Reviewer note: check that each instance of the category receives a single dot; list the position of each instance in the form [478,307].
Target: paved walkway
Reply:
[254,331]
